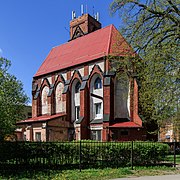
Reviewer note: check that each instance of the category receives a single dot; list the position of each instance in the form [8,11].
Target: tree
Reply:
[12,99]
[152,27]
[149,22]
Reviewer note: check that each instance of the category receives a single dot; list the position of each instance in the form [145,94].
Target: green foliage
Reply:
[93,154]
[12,99]
[152,28]
[149,23]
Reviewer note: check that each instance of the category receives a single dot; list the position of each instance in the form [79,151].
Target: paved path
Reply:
[164,177]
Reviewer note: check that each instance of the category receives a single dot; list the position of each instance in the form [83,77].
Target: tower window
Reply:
[98,83]
[77,87]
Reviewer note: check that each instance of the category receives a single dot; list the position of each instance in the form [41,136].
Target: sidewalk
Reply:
[164,177]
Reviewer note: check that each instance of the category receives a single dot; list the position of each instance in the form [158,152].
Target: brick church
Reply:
[75,93]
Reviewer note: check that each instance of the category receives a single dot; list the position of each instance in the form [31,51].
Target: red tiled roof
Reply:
[125,125]
[40,118]
[81,50]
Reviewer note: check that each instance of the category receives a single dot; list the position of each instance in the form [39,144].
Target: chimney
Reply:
[83,25]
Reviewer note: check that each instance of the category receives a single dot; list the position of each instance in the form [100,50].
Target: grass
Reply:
[89,174]
[170,158]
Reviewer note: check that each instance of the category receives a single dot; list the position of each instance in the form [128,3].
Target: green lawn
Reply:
[170,158]
[90,174]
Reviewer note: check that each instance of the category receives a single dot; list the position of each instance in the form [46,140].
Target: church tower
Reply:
[83,25]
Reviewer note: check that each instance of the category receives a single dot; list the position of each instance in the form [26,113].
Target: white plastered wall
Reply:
[27,133]
[100,64]
[121,99]
[44,100]
[56,76]
[39,130]
[93,128]
[81,71]
[49,78]
[64,76]
[72,72]
[90,67]
[60,104]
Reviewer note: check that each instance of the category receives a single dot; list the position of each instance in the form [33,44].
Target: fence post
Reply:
[132,155]
[174,153]
[80,156]
[16,150]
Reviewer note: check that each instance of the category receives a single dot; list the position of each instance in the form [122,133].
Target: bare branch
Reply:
[174,7]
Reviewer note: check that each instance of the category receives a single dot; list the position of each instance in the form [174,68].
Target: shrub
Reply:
[107,154]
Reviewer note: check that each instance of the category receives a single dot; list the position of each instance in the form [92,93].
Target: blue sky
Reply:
[30,28]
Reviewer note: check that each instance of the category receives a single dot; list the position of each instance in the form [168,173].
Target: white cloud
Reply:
[1,51]
[29,104]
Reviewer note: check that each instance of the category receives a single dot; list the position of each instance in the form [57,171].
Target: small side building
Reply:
[169,132]
[27,114]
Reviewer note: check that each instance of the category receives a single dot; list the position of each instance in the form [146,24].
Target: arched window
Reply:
[44,100]
[96,96]
[97,83]
[77,87]
[60,102]
[75,100]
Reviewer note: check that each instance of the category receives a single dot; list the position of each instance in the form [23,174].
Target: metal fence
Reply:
[86,154]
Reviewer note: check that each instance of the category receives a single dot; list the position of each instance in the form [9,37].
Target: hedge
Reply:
[85,152]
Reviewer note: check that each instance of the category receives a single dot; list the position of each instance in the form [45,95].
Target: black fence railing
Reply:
[86,154]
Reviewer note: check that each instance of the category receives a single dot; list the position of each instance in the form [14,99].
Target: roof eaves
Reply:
[40,119]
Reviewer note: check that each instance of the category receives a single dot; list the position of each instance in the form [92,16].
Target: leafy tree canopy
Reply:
[12,99]
[149,22]
[152,27]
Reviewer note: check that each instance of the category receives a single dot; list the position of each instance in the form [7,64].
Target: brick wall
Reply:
[133,134]
[86,23]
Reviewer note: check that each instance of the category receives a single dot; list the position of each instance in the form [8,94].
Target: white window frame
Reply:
[38,136]
[98,108]
[77,112]
[96,135]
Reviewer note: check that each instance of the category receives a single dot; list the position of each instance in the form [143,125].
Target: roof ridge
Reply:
[82,36]
[109,39]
